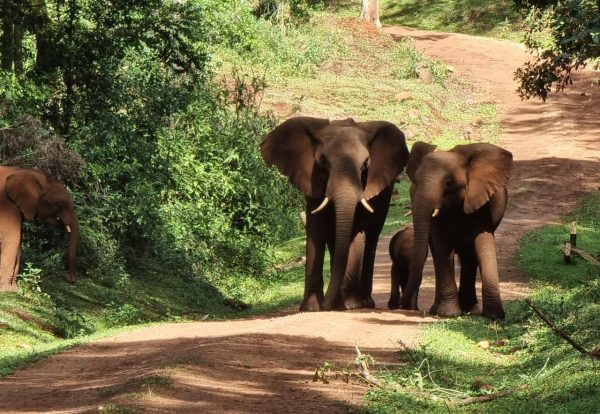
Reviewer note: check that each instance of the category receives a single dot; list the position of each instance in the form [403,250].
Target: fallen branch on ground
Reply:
[560,332]
[487,397]
[586,256]
[365,375]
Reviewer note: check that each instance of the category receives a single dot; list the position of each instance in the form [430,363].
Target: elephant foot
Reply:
[353,302]
[493,312]
[311,303]
[11,287]
[446,308]
[369,302]
[335,304]
[394,302]
[70,278]
[473,310]
[469,305]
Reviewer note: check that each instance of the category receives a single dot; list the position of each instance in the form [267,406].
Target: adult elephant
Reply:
[29,194]
[458,200]
[346,170]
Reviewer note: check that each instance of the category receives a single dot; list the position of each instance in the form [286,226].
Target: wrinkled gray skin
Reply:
[401,249]
[468,186]
[28,194]
[344,161]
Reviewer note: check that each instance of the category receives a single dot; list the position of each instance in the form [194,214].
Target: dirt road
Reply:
[266,364]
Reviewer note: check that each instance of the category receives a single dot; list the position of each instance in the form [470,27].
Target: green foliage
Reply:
[408,62]
[571,41]
[70,323]
[495,18]
[281,48]
[522,353]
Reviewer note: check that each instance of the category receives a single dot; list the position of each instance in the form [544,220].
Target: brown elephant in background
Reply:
[346,170]
[402,248]
[29,194]
[458,200]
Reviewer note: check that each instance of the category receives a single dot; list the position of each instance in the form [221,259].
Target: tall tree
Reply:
[370,12]
[565,35]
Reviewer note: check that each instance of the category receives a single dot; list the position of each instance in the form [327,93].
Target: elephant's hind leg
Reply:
[9,262]
[467,294]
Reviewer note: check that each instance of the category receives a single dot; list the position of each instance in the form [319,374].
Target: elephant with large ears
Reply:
[30,194]
[458,200]
[346,170]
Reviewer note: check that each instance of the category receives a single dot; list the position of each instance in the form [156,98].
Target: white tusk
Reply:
[435,212]
[408,213]
[366,205]
[68,228]
[322,206]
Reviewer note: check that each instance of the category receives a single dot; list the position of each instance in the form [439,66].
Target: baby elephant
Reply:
[402,247]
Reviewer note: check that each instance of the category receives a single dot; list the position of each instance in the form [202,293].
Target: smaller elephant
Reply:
[458,199]
[402,248]
[30,194]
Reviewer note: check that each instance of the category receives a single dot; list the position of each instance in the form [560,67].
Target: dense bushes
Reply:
[169,169]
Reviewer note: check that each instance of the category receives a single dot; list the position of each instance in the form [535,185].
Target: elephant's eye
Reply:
[365,164]
[58,220]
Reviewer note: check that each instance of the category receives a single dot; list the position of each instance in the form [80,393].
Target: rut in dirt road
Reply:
[266,364]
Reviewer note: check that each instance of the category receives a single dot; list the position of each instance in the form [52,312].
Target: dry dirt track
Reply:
[265,364]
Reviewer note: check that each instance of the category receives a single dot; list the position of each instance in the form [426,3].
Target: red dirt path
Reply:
[266,364]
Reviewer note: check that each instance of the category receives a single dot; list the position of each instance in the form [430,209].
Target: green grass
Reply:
[490,18]
[546,374]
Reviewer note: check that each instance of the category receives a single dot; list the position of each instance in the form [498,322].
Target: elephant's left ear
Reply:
[388,153]
[25,189]
[488,171]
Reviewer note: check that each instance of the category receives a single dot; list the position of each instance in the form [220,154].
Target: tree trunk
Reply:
[7,35]
[18,46]
[370,12]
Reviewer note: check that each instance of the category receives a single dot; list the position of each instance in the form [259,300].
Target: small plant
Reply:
[409,63]
[70,323]
[125,314]
[29,282]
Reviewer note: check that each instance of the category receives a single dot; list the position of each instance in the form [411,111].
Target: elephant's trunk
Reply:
[346,202]
[73,231]
[424,206]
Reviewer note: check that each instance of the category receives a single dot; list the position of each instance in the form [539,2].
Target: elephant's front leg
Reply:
[485,247]
[351,289]
[446,294]
[313,273]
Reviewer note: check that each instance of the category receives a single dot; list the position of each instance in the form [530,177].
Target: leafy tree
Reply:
[565,34]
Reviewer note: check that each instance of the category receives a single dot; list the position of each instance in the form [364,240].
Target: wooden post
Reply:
[567,252]
[573,236]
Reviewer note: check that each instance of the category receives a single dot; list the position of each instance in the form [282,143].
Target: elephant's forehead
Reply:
[343,135]
[445,158]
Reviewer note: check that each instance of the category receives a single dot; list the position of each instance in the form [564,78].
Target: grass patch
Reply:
[521,354]
[476,17]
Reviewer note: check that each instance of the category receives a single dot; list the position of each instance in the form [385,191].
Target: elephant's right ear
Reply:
[25,189]
[291,148]
[419,150]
